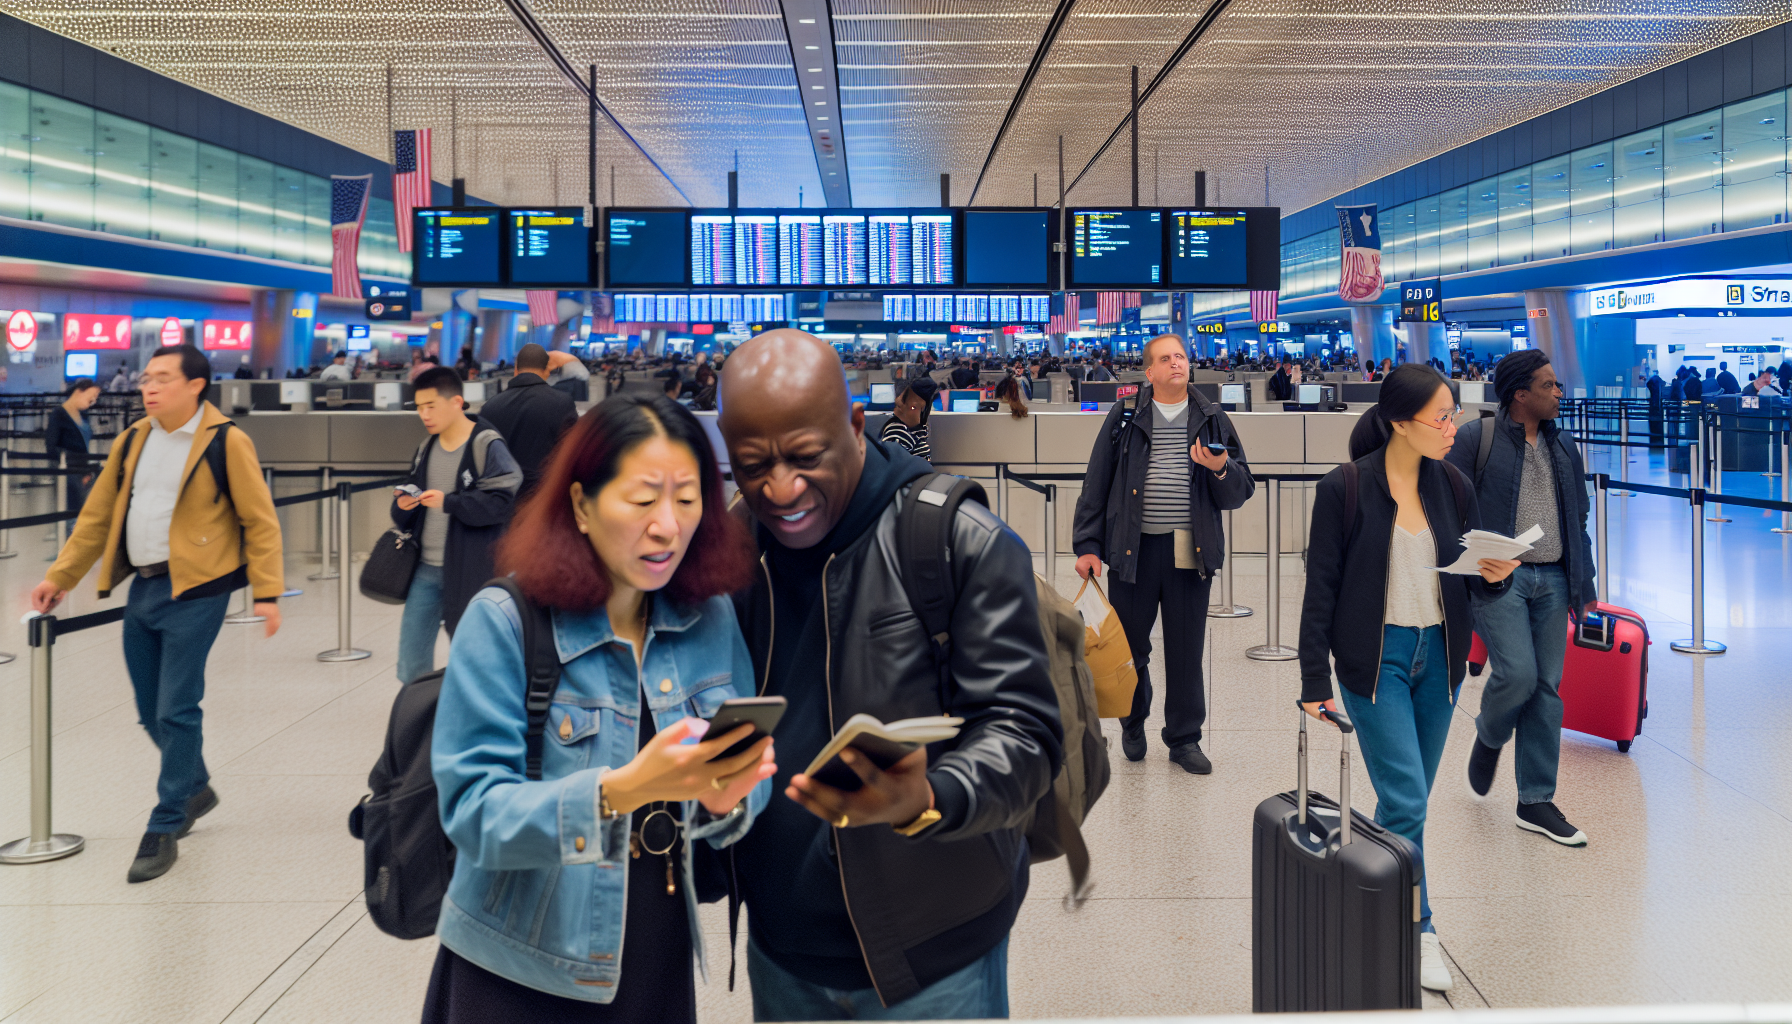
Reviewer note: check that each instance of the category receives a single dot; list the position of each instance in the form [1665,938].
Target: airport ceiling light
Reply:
[1327,93]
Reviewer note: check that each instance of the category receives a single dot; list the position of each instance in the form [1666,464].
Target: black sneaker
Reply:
[198,806]
[1545,819]
[1191,759]
[1132,740]
[155,855]
[1482,761]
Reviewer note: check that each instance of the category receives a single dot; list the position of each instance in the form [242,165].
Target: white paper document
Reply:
[1479,544]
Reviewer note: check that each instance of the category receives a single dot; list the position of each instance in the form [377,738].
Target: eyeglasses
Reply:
[1445,423]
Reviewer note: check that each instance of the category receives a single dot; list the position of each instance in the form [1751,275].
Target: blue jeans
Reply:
[1526,632]
[1402,733]
[977,992]
[165,647]
[422,619]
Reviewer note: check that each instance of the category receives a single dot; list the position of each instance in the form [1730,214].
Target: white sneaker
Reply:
[1434,971]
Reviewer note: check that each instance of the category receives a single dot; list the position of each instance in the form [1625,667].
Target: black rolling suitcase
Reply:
[1334,903]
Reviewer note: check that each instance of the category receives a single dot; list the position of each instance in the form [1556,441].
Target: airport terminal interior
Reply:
[991,215]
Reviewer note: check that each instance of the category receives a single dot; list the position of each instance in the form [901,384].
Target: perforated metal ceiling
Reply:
[1327,93]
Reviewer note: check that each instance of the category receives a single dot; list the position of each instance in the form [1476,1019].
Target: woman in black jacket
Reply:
[67,431]
[1397,630]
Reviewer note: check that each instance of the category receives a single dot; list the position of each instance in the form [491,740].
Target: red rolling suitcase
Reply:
[1605,674]
[1334,903]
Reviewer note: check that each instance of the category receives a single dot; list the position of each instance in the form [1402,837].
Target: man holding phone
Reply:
[1163,468]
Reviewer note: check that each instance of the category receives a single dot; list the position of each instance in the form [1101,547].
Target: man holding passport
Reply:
[893,901]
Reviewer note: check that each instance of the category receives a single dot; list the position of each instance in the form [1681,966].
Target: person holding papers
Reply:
[1527,473]
[1397,629]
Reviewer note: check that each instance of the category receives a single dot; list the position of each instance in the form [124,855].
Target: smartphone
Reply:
[762,713]
[411,489]
[1217,449]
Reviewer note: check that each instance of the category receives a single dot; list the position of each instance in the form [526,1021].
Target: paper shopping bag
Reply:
[1106,650]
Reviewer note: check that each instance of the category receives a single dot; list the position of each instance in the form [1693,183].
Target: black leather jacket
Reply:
[901,892]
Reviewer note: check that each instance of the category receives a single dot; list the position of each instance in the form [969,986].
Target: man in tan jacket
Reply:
[182,509]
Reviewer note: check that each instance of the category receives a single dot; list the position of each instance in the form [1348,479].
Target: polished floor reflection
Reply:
[1684,892]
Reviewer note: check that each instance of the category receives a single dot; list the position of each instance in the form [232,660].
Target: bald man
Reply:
[1150,509]
[892,901]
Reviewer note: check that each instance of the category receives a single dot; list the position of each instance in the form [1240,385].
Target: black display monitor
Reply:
[1117,247]
[1008,248]
[457,247]
[548,247]
[647,247]
[1207,248]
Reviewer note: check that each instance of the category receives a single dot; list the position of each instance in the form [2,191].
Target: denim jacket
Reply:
[540,882]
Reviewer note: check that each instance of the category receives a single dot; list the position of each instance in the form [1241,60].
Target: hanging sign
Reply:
[227,335]
[95,330]
[172,332]
[21,330]
[1359,265]
[1422,301]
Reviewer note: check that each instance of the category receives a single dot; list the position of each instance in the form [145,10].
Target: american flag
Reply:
[603,314]
[410,179]
[1068,318]
[348,209]
[1133,300]
[1263,306]
[543,308]
[1107,307]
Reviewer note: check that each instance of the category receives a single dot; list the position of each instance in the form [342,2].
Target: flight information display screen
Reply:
[844,238]
[458,247]
[887,240]
[755,249]
[899,307]
[550,247]
[1035,309]
[930,241]
[1117,247]
[1007,247]
[712,248]
[970,309]
[646,247]
[800,249]
[1207,248]
[934,307]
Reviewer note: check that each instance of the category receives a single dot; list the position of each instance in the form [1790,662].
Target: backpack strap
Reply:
[1486,449]
[1351,473]
[216,459]
[924,557]
[1459,487]
[124,455]
[541,666]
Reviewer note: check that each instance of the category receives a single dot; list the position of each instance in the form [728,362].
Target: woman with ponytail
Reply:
[1397,630]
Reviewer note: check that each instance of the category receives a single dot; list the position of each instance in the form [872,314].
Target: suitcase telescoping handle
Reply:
[1342,721]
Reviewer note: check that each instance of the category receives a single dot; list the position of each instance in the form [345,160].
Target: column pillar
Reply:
[298,336]
[1372,329]
[1554,334]
[271,312]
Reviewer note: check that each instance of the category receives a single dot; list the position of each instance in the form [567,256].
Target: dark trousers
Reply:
[1182,594]
[165,647]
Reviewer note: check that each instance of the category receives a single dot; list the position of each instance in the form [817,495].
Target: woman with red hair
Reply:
[627,541]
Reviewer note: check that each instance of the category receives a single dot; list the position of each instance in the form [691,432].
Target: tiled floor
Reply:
[1684,894]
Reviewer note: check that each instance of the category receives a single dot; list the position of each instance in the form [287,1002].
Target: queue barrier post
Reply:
[1717,473]
[1623,453]
[1226,609]
[1051,533]
[325,570]
[42,844]
[1001,492]
[1697,644]
[6,550]
[345,650]
[1600,560]
[1272,649]
[1785,482]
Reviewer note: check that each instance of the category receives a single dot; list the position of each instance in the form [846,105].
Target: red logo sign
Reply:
[232,335]
[95,330]
[1126,390]
[172,332]
[21,330]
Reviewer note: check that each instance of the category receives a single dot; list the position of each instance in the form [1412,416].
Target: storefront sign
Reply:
[21,330]
[226,335]
[172,332]
[1211,327]
[1722,296]
[82,331]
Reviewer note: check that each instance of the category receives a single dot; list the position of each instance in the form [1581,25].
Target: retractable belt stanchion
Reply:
[345,650]
[62,491]
[1698,644]
[42,844]
[6,550]
[1226,609]
[269,475]
[1623,453]
[325,570]
[1272,649]
[1600,540]
[1717,472]
[1051,534]
[1001,492]
[1785,484]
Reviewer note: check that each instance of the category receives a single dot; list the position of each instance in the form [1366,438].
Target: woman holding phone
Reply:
[572,897]
[1397,630]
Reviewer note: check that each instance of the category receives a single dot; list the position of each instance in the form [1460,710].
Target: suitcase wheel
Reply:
[1623,746]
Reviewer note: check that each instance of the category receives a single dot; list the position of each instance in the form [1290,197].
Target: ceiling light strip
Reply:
[1163,73]
[1052,28]
[809,31]
[526,18]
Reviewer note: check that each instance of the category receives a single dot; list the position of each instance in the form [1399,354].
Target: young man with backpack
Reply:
[181,508]
[893,900]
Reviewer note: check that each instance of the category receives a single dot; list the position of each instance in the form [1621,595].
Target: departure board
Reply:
[456,248]
[712,248]
[845,244]
[887,240]
[970,309]
[1004,308]
[548,248]
[646,247]
[1207,248]
[1117,247]
[933,307]
[763,308]
[634,309]
[799,249]
[930,240]
[1035,309]
[1007,247]
[899,307]
[755,249]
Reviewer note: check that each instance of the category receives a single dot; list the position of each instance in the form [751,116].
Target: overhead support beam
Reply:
[809,27]
[1052,28]
[519,9]
[1188,43]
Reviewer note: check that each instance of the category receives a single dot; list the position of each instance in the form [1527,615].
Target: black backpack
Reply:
[409,859]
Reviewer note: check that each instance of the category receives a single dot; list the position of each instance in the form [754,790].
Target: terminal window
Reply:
[647,247]
[1117,247]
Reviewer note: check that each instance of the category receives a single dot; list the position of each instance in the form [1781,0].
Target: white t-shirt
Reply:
[155,487]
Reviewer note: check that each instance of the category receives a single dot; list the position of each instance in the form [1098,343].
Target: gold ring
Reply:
[840,822]
[717,785]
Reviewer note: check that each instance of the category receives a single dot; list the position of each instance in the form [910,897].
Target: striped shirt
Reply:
[912,440]
[1166,506]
